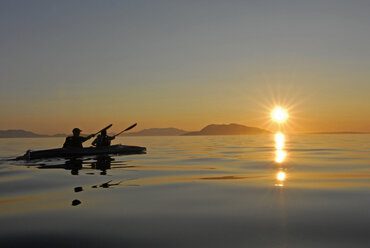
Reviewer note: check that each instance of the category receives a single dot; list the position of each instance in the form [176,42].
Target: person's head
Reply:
[76,131]
[104,132]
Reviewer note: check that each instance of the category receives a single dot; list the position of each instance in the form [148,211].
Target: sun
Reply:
[279,115]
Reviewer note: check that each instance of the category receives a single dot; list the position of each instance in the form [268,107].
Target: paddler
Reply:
[76,140]
[103,140]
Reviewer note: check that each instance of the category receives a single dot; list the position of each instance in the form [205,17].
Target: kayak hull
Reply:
[79,152]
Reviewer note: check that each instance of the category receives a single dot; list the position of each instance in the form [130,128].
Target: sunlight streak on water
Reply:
[279,145]
[280,177]
[279,141]
[280,156]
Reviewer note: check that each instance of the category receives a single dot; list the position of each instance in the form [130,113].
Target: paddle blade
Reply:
[130,127]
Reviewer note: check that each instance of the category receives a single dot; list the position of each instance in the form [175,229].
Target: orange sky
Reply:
[184,65]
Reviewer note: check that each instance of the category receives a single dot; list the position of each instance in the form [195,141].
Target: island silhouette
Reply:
[158,132]
[228,129]
[212,129]
[19,133]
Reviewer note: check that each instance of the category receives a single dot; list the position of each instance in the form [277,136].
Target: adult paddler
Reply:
[75,141]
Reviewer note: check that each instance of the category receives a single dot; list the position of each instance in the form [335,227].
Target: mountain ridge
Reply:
[170,131]
[19,133]
[227,129]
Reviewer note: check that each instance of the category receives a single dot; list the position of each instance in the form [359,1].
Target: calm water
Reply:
[226,191]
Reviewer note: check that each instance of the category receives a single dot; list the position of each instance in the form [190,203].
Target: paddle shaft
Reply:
[130,127]
[104,129]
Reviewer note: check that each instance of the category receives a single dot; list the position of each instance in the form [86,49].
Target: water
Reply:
[210,191]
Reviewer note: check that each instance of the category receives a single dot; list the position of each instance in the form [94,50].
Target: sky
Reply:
[184,64]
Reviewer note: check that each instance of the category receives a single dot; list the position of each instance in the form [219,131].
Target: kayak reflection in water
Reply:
[103,163]
[74,165]
[76,140]
[103,140]
[100,163]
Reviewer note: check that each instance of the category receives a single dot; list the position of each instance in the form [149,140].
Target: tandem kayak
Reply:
[79,152]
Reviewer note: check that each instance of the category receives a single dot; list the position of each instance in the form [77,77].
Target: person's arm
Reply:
[94,143]
[87,138]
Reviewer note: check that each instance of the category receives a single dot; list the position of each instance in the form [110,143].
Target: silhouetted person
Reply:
[76,140]
[103,140]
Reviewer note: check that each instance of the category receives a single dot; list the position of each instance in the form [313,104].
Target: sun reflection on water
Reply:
[280,156]
[280,177]
[279,141]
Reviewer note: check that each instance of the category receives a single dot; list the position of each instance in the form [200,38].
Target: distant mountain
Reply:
[59,135]
[19,134]
[158,132]
[228,129]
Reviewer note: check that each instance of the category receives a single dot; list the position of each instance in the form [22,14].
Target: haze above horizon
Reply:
[84,64]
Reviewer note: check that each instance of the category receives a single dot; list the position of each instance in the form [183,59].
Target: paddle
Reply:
[103,129]
[130,127]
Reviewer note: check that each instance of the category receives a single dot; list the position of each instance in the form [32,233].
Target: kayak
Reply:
[79,152]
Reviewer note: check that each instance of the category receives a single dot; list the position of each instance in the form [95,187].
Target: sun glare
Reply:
[279,115]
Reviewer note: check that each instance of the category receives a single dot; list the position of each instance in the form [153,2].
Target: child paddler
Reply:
[103,140]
